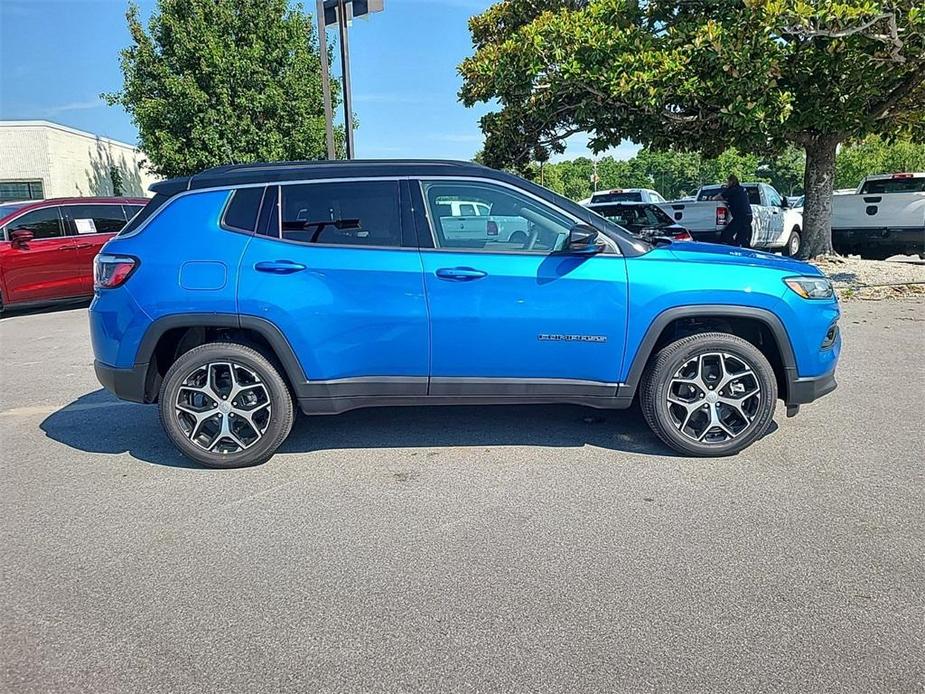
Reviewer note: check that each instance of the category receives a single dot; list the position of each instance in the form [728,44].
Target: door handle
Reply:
[83,245]
[460,274]
[279,267]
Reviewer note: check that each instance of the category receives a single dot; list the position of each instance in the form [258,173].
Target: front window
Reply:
[515,222]
[44,223]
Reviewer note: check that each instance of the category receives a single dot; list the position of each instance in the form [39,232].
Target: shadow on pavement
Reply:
[68,305]
[99,423]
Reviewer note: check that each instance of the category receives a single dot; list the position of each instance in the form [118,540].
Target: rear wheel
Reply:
[793,243]
[225,405]
[711,394]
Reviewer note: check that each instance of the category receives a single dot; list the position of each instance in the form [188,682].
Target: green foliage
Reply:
[874,155]
[210,83]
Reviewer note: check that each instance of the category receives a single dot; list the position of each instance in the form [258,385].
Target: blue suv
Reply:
[242,291]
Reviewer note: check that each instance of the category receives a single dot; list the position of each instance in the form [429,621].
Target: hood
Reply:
[696,252]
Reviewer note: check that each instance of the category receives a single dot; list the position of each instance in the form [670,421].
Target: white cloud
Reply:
[75,106]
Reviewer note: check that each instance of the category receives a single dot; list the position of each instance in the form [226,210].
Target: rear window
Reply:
[895,185]
[615,197]
[633,215]
[754,195]
[156,203]
[242,211]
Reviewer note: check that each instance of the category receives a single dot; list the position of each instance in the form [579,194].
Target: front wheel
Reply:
[225,406]
[793,244]
[707,395]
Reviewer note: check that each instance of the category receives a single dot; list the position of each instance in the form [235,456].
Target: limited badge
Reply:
[556,337]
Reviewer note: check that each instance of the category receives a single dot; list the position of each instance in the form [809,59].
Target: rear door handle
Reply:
[83,245]
[279,267]
[460,274]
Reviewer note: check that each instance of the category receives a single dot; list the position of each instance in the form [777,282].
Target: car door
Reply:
[90,226]
[335,267]
[42,269]
[516,318]
[774,203]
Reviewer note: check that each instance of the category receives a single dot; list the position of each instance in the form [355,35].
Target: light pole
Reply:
[339,12]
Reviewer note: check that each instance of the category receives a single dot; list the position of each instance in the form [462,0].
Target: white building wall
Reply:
[69,162]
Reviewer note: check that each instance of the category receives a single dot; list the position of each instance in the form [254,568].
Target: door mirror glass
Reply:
[21,237]
[582,238]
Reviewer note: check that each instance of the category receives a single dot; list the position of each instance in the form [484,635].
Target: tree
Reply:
[212,83]
[701,75]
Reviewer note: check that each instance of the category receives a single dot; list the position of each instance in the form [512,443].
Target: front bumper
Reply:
[125,384]
[801,391]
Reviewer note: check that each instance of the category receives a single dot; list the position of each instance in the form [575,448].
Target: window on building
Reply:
[21,190]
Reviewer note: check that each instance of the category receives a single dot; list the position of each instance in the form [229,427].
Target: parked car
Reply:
[47,246]
[227,306]
[465,220]
[625,195]
[883,217]
[774,224]
[643,219]
[795,202]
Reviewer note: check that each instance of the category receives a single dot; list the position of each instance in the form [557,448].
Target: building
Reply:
[40,159]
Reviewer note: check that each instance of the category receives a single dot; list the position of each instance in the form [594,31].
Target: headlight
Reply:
[811,287]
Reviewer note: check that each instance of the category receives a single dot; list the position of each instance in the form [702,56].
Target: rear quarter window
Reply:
[243,208]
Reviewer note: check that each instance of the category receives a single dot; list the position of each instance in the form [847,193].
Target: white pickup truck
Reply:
[774,224]
[465,220]
[623,195]
[884,217]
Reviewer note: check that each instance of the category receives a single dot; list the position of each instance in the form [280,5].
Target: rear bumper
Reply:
[805,390]
[901,240]
[125,384]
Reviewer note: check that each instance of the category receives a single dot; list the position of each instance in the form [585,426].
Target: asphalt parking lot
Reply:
[464,549]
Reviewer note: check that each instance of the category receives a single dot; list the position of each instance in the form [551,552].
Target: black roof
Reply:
[266,172]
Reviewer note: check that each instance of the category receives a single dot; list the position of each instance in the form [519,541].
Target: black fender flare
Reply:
[265,328]
[767,318]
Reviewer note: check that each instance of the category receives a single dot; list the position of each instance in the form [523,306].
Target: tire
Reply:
[256,426]
[703,351]
[793,244]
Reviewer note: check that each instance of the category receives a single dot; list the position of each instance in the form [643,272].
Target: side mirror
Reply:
[21,237]
[783,203]
[582,238]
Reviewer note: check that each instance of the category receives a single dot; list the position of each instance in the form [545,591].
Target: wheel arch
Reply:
[674,323]
[171,336]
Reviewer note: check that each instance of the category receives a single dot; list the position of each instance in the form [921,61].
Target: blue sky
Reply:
[56,56]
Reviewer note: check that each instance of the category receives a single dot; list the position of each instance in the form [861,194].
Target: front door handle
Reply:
[279,267]
[80,246]
[460,274]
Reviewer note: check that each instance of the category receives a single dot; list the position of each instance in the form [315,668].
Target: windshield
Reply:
[894,185]
[634,215]
[620,196]
[10,208]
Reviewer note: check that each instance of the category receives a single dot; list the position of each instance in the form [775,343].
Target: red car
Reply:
[47,246]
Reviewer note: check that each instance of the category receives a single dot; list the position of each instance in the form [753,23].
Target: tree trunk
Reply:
[818,183]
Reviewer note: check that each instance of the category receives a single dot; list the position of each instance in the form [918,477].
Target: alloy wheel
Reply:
[223,407]
[714,397]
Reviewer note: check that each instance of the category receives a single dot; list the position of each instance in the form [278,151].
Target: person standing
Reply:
[738,232]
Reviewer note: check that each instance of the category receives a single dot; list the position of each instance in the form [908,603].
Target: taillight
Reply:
[722,216]
[111,271]
[683,235]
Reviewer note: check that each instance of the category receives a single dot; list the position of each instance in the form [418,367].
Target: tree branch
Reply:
[906,87]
